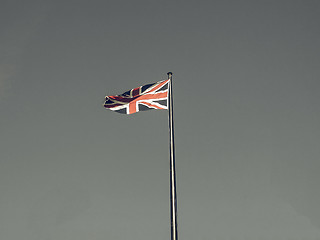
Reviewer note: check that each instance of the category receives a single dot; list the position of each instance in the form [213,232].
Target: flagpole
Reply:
[173,193]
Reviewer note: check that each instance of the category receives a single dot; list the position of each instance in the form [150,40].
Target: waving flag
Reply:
[147,97]
[152,96]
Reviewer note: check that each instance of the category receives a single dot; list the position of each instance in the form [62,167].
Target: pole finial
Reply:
[169,74]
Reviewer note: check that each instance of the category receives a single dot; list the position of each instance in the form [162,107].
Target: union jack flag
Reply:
[147,97]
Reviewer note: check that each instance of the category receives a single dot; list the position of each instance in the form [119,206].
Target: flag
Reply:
[147,97]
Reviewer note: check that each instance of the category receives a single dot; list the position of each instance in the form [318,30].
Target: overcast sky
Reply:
[246,100]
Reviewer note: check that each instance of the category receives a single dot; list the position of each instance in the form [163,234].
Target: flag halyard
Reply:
[147,97]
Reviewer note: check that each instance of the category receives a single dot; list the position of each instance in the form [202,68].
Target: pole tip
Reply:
[169,74]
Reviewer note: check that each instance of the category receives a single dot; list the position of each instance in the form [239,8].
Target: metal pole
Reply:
[173,193]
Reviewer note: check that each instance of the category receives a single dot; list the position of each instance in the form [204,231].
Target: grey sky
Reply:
[246,96]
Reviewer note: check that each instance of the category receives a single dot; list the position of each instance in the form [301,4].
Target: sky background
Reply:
[246,100]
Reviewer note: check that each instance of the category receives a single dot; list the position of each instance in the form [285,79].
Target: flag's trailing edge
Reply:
[147,97]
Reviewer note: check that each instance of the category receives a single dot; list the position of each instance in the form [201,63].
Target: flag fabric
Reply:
[147,97]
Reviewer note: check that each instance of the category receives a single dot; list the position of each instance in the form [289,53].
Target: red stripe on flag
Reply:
[135,92]
[152,96]
[133,107]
